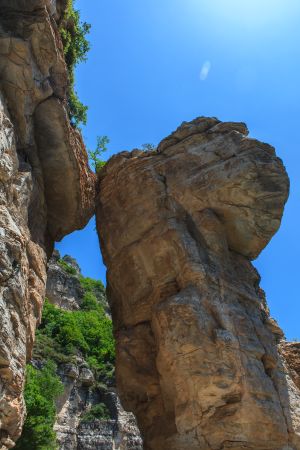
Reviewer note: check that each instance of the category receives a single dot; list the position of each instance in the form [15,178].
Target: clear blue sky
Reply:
[156,63]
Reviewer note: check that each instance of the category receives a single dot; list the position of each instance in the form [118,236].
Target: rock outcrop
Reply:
[63,288]
[197,353]
[81,393]
[46,189]
[291,355]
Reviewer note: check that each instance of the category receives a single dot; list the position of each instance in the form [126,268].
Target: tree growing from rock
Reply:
[96,155]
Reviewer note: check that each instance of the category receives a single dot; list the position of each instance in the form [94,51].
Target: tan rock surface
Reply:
[197,357]
[291,354]
[46,187]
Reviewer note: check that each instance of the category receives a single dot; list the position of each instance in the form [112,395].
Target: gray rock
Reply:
[80,394]
[86,377]
[73,263]
[63,289]
[71,371]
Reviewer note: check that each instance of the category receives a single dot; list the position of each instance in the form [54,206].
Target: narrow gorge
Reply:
[200,362]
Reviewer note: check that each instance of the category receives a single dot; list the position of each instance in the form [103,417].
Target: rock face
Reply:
[63,289]
[46,189]
[291,354]
[120,432]
[197,355]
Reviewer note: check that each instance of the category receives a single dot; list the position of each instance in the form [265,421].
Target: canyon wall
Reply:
[46,189]
[199,360]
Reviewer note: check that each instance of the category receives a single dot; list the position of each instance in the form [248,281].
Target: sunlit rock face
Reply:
[46,187]
[197,357]
[63,289]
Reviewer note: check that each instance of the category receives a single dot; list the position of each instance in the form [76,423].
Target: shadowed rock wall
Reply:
[197,356]
[46,187]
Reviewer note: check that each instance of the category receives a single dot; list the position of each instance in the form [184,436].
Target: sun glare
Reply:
[254,12]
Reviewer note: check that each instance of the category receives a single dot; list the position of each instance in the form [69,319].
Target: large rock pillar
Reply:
[197,358]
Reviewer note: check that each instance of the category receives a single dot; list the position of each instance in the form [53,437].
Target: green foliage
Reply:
[99,411]
[77,110]
[41,389]
[148,147]
[95,287]
[73,33]
[46,347]
[96,155]
[67,267]
[94,294]
[87,332]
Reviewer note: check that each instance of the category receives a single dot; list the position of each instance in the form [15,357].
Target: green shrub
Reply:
[95,287]
[149,147]
[99,411]
[96,155]
[73,34]
[41,389]
[46,347]
[94,294]
[87,332]
[77,110]
[67,267]
[90,302]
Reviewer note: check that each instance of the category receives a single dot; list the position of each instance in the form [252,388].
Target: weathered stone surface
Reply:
[63,289]
[291,355]
[197,357]
[42,159]
[69,183]
[118,433]
[22,278]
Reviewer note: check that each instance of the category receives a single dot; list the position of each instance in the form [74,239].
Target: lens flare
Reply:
[252,12]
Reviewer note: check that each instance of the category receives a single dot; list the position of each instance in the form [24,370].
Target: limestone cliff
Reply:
[197,356]
[46,189]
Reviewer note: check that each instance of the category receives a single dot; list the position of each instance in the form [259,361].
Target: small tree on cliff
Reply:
[149,147]
[96,155]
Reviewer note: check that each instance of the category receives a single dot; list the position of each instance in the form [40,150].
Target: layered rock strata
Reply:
[46,189]
[197,355]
